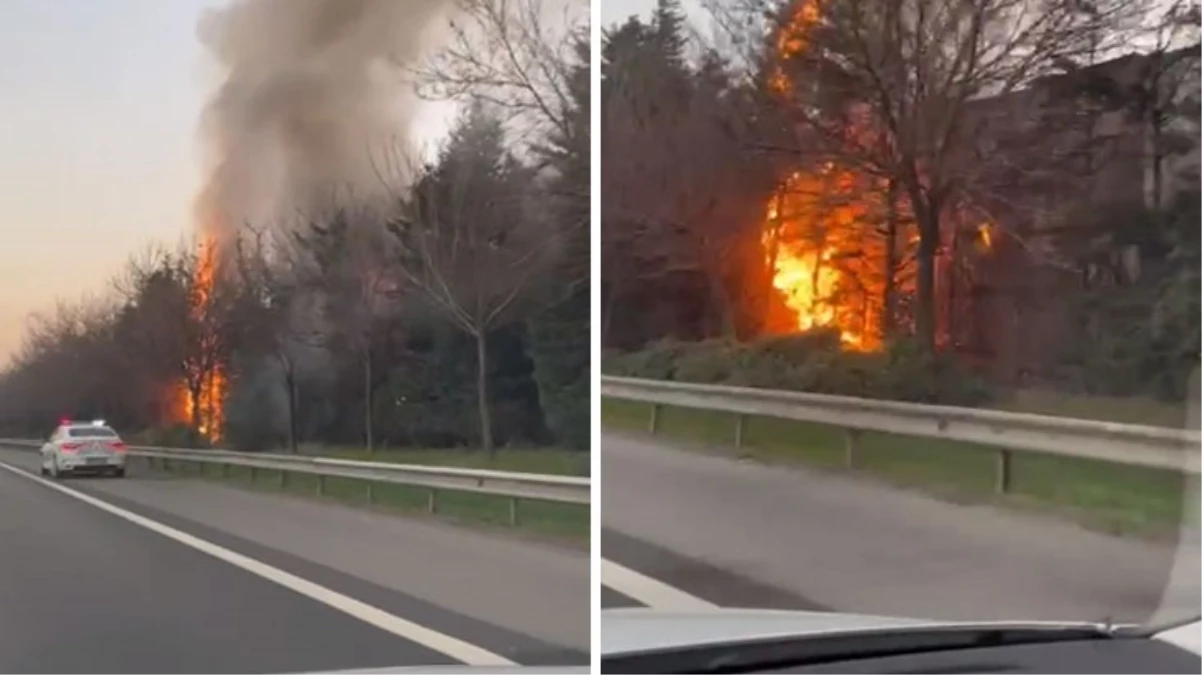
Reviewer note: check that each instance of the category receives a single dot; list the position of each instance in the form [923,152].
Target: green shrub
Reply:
[812,362]
[799,347]
[913,374]
[657,361]
[707,362]
[772,372]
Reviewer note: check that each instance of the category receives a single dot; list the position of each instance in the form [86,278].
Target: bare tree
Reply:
[149,329]
[348,270]
[284,322]
[469,242]
[678,163]
[516,55]
[889,88]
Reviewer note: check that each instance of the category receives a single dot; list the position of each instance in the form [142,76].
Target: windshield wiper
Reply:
[748,656]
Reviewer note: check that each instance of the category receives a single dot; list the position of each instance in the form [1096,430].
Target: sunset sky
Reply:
[98,142]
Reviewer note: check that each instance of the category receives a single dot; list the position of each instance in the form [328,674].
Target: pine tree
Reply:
[559,335]
[668,22]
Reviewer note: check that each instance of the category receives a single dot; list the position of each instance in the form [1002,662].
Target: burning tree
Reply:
[209,333]
[879,101]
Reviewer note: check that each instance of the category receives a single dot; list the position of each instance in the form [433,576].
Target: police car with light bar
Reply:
[83,448]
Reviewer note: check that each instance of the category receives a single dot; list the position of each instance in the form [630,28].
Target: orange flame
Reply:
[985,235]
[826,238]
[209,404]
[791,41]
[828,270]
[813,254]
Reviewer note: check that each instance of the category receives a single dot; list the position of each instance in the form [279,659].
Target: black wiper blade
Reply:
[747,656]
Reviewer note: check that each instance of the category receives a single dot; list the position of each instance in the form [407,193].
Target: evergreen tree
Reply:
[560,345]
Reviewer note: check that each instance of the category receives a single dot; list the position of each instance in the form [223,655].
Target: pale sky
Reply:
[98,142]
[616,11]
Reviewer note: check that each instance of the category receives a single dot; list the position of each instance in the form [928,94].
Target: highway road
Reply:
[161,574]
[685,529]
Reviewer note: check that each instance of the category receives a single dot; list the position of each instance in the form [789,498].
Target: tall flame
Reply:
[836,243]
[792,40]
[208,404]
[823,263]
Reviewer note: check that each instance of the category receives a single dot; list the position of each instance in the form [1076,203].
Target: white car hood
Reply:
[457,670]
[626,631]
[629,630]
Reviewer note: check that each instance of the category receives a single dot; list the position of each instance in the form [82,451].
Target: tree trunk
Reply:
[367,403]
[194,388]
[290,378]
[948,317]
[927,213]
[721,300]
[889,310]
[482,393]
[608,304]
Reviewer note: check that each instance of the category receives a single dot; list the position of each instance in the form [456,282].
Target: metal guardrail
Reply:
[1132,444]
[512,485]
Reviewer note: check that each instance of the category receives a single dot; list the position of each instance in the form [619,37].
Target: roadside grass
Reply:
[1125,410]
[1102,495]
[568,523]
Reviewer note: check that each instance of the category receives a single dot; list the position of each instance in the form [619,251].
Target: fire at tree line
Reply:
[457,316]
[912,200]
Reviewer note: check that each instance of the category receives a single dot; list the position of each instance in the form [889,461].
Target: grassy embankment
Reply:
[1111,497]
[560,521]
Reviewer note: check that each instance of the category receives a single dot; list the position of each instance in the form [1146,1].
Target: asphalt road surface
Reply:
[154,574]
[684,529]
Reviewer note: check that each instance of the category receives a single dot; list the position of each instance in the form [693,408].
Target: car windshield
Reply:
[902,347]
[91,432]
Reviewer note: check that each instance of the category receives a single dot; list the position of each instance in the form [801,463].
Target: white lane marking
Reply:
[440,642]
[651,592]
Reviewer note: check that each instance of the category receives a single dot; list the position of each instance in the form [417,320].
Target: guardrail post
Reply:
[432,501]
[321,485]
[1002,478]
[654,421]
[283,479]
[513,511]
[225,470]
[740,420]
[253,472]
[371,492]
[851,442]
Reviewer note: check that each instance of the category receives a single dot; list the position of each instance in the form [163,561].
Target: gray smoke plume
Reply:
[314,93]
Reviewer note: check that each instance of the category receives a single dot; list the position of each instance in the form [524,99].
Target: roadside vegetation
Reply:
[446,322]
[832,198]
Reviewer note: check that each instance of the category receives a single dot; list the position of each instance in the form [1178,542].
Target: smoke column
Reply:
[312,96]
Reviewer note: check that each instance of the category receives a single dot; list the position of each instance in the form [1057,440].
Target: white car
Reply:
[83,447]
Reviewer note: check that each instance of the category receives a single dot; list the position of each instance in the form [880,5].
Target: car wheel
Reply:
[119,473]
[44,470]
